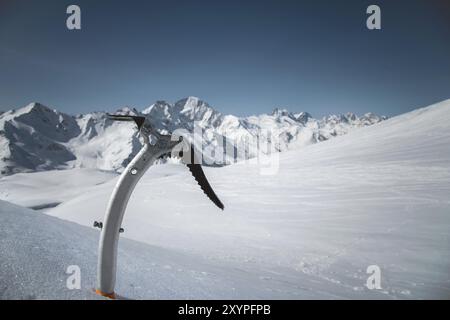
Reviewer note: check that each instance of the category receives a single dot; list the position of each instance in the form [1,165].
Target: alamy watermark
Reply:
[73,21]
[73,281]
[260,149]
[373,22]
[374,280]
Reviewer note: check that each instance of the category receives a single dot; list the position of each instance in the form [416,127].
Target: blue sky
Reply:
[243,57]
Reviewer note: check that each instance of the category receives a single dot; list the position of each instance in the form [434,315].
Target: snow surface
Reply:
[36,251]
[376,196]
[46,189]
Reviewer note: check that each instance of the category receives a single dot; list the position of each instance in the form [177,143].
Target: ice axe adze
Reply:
[160,145]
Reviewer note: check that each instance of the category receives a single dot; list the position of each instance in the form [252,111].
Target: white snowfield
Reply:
[378,195]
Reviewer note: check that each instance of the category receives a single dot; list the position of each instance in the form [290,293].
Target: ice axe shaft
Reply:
[109,238]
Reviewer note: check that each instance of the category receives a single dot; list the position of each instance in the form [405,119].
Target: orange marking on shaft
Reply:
[107,295]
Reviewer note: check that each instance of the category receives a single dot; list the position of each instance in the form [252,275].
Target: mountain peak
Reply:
[281,112]
[351,116]
[126,110]
[158,105]
[193,107]
[303,117]
[190,103]
[36,106]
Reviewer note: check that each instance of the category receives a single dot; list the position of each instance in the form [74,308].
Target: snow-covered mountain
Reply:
[36,138]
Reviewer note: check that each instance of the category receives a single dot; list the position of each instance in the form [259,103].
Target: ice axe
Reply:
[156,145]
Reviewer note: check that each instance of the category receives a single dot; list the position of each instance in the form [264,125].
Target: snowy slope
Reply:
[376,196]
[36,251]
[46,189]
[36,138]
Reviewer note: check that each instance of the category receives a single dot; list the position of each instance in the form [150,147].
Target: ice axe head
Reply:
[165,145]
[119,117]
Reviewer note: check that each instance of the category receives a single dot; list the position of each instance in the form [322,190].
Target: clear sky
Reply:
[243,57]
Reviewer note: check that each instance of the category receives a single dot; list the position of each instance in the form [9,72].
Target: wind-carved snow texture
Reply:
[378,195]
[36,138]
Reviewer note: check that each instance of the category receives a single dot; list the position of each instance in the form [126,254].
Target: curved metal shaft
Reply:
[109,237]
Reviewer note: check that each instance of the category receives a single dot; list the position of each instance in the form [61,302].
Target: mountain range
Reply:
[36,137]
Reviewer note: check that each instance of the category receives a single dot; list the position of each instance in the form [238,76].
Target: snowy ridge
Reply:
[36,138]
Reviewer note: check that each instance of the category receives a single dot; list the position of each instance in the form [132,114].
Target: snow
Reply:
[375,196]
[41,190]
[37,250]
